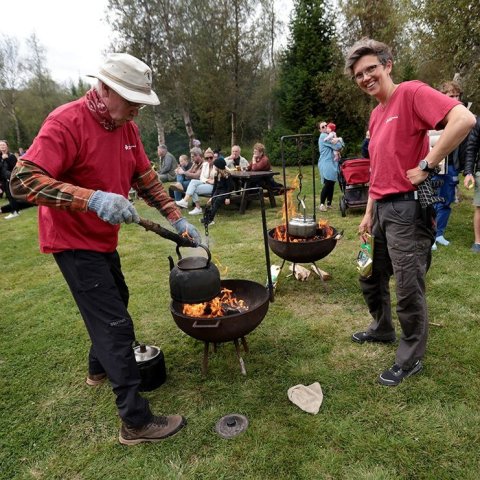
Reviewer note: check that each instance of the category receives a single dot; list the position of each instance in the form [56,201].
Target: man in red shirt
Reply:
[79,170]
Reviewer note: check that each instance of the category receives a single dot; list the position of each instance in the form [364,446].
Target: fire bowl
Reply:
[228,327]
[306,251]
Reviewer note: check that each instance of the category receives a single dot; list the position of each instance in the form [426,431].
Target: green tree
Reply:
[308,54]
[208,61]
[383,20]
[41,94]
[232,59]
[140,33]
[447,35]
[11,77]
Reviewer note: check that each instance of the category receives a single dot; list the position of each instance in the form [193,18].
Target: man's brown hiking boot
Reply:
[93,380]
[158,429]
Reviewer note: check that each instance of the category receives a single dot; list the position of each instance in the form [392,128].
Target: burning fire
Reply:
[290,206]
[223,269]
[280,233]
[186,235]
[323,231]
[218,307]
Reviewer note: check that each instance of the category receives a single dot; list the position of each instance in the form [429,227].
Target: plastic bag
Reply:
[365,256]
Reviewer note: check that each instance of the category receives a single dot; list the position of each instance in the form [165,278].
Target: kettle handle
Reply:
[209,255]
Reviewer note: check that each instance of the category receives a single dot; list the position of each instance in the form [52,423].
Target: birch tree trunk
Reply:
[160,125]
[188,125]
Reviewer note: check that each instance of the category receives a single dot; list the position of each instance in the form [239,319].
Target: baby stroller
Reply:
[353,178]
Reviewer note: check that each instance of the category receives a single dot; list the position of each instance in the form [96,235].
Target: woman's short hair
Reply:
[367,46]
[260,147]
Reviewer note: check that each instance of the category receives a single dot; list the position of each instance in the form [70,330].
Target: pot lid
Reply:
[231,425]
[193,263]
[302,221]
[143,352]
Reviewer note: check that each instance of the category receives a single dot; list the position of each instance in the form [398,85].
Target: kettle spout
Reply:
[172,265]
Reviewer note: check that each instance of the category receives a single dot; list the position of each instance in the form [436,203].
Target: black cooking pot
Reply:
[194,279]
[304,252]
[151,363]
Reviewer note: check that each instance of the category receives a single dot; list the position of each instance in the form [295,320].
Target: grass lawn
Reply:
[53,426]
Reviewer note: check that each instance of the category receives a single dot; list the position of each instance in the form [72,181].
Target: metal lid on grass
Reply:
[231,425]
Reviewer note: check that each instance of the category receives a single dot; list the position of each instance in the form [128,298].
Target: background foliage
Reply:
[223,77]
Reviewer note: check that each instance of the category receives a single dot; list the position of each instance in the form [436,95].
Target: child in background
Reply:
[177,189]
[333,139]
[185,162]
[223,183]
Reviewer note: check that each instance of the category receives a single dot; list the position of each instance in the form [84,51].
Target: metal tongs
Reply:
[165,233]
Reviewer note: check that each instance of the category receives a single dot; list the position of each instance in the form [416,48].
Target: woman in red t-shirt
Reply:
[401,224]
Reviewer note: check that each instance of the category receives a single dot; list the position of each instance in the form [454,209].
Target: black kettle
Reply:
[194,279]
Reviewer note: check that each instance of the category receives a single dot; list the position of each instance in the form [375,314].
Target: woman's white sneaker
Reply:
[12,215]
[195,211]
[182,203]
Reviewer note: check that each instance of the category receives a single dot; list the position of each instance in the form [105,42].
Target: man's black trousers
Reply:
[99,289]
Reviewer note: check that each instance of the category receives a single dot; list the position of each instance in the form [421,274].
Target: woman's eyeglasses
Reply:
[208,158]
[366,71]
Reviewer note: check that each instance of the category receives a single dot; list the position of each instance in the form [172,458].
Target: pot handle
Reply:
[209,255]
[339,235]
[205,325]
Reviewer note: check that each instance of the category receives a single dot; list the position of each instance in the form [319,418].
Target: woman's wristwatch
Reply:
[425,167]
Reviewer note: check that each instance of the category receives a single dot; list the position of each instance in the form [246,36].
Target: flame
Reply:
[280,233]
[324,231]
[215,307]
[186,235]
[290,207]
[223,269]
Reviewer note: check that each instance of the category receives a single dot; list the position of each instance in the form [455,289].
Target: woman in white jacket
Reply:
[202,186]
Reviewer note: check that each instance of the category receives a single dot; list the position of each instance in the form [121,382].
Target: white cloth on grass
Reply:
[308,398]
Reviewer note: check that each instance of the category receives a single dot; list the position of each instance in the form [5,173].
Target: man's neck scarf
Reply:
[99,110]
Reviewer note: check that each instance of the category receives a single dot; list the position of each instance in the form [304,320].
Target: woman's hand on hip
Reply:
[416,176]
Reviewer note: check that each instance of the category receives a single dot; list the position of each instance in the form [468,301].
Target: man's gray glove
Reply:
[113,208]
[182,226]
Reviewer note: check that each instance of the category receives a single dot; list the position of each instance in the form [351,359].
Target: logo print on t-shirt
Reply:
[389,119]
[129,147]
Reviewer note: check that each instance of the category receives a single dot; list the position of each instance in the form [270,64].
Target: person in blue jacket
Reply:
[328,167]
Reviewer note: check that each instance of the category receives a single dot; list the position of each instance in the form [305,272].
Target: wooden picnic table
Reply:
[246,178]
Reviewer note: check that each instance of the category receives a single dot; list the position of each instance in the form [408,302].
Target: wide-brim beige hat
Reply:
[129,77]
